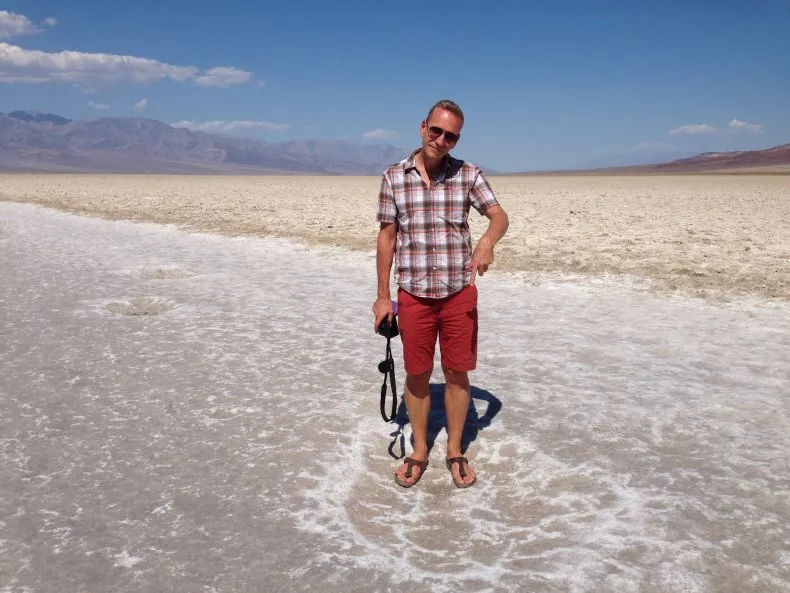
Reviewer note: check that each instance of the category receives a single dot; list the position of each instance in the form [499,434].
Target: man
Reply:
[422,210]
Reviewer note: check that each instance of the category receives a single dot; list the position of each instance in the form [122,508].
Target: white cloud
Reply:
[12,25]
[378,134]
[223,76]
[231,127]
[91,70]
[140,105]
[84,69]
[694,129]
[19,65]
[738,125]
[98,106]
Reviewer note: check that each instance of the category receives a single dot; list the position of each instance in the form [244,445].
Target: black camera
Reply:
[387,329]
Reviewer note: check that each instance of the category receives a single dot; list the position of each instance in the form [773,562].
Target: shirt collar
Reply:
[410,164]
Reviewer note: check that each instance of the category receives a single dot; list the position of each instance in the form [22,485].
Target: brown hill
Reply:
[768,160]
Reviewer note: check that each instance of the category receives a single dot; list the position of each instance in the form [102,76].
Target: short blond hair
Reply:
[447,105]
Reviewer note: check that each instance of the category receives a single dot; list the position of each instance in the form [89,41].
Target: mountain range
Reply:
[43,142]
[32,141]
[768,160]
[775,160]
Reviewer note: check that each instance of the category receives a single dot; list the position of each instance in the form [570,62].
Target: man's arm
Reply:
[483,255]
[385,252]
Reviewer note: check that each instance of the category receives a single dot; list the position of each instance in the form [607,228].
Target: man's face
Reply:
[435,132]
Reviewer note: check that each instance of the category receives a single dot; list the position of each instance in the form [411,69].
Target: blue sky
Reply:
[543,84]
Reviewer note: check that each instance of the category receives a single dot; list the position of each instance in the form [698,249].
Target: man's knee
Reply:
[420,384]
[453,377]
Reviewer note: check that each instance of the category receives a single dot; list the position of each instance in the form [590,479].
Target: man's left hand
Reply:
[482,257]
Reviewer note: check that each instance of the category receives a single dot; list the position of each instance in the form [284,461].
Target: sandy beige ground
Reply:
[709,235]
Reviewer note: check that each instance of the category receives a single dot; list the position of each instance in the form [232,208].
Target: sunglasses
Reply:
[435,132]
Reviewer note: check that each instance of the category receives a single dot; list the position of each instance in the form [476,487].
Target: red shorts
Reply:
[453,319]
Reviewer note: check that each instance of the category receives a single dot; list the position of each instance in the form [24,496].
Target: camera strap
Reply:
[387,368]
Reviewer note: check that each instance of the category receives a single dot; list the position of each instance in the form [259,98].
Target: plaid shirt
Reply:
[434,246]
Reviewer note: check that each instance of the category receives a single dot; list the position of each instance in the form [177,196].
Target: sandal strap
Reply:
[460,461]
[412,462]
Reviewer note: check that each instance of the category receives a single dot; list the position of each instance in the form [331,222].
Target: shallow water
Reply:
[190,412]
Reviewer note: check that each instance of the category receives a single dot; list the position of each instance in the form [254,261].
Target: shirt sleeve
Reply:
[386,211]
[481,194]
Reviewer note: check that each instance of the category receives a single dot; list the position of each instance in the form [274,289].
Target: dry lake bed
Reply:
[192,405]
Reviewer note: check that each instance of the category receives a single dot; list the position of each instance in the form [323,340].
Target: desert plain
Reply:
[194,406]
[709,235]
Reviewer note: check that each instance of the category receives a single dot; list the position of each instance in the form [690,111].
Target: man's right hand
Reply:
[382,308]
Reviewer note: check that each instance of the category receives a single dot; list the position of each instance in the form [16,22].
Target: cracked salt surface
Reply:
[223,433]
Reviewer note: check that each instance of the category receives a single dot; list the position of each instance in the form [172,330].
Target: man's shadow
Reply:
[437,419]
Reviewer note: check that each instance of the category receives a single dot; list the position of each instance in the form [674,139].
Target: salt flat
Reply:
[710,235]
[191,412]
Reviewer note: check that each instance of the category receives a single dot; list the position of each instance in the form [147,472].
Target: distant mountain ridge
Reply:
[38,117]
[34,141]
[776,158]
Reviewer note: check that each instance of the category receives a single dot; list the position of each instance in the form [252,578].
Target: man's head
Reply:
[441,130]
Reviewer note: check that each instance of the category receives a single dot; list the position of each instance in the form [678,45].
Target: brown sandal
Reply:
[411,463]
[460,461]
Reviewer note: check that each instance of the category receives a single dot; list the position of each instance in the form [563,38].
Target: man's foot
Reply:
[463,474]
[410,472]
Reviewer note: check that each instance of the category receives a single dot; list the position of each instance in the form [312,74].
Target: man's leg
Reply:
[456,403]
[418,330]
[458,340]
[417,396]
